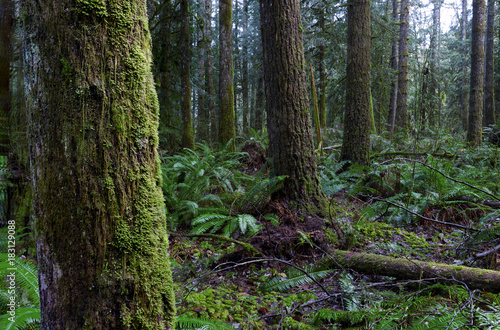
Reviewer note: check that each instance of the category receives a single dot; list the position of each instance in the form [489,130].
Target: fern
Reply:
[25,318]
[190,323]
[295,278]
[246,223]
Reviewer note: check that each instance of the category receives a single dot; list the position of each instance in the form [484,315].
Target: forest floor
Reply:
[221,281]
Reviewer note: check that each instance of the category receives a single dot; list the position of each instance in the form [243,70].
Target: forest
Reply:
[249,164]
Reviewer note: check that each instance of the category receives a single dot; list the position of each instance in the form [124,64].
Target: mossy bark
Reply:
[6,29]
[322,72]
[401,122]
[187,122]
[102,246]
[391,119]
[202,130]
[400,268]
[474,130]
[214,131]
[226,88]
[357,115]
[288,119]
[244,69]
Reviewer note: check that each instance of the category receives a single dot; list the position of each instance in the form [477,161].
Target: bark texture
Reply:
[288,118]
[394,67]
[210,75]
[474,130]
[356,140]
[402,100]
[6,29]
[475,278]
[102,246]
[226,87]
[187,121]
[489,68]
[463,26]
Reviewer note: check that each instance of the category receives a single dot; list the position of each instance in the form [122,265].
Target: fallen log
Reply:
[400,268]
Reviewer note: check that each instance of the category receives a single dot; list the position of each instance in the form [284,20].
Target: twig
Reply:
[426,218]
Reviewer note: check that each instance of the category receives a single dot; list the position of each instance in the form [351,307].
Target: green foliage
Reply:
[246,223]
[331,176]
[295,277]
[191,323]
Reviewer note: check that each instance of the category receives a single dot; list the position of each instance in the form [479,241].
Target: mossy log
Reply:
[367,263]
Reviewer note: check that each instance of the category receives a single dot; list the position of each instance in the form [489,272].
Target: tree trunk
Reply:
[402,100]
[203,128]
[434,89]
[394,67]
[244,68]
[367,263]
[463,26]
[6,29]
[489,69]
[214,136]
[259,103]
[356,139]
[187,122]
[288,118]
[226,88]
[474,130]
[322,72]
[102,247]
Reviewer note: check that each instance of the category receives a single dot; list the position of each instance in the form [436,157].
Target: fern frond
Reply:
[191,323]
[295,278]
[23,317]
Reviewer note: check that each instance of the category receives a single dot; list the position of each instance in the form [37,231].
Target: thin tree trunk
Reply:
[434,90]
[463,26]
[226,88]
[214,131]
[489,69]
[187,121]
[288,118]
[102,246]
[402,100]
[202,131]
[394,67]
[357,115]
[259,104]
[244,68]
[474,130]
[322,72]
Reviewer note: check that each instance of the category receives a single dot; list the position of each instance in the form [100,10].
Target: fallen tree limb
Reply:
[409,153]
[367,263]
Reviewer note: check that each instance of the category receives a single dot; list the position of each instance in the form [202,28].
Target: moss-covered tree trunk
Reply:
[474,129]
[400,268]
[322,70]
[185,38]
[394,67]
[489,117]
[356,140]
[287,106]
[259,103]
[226,88]
[102,245]
[402,100]
[202,127]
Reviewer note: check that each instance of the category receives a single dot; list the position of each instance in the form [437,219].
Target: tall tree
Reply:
[463,27]
[489,68]
[288,119]
[203,127]
[322,69]
[209,74]
[6,29]
[394,67]
[356,138]
[402,100]
[187,121]
[244,68]
[474,130]
[226,88]
[434,85]
[102,246]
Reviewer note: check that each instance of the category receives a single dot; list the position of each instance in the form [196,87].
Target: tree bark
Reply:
[288,119]
[102,246]
[203,127]
[489,68]
[356,139]
[463,26]
[394,67]
[367,263]
[214,136]
[226,88]
[244,68]
[474,131]
[322,71]
[402,100]
[187,121]
[6,29]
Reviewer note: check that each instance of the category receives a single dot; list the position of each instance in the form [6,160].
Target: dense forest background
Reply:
[323,164]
